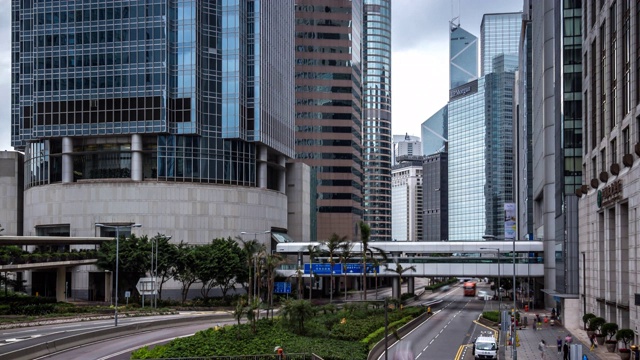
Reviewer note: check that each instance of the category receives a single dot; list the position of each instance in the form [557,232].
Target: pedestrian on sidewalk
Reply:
[559,343]
[565,350]
[542,346]
[592,338]
[568,339]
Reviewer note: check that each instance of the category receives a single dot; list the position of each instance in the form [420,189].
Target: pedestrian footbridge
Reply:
[429,259]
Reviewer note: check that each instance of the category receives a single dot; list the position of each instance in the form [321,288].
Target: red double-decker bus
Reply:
[469,288]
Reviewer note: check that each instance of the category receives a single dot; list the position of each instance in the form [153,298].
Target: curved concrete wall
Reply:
[195,213]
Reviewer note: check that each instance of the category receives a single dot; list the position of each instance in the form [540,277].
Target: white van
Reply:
[485,347]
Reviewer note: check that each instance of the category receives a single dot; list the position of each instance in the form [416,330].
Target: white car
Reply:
[483,295]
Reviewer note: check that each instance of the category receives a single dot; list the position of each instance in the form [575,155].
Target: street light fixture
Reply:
[499,292]
[117,227]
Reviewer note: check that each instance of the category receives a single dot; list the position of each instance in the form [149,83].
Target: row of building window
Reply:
[99,82]
[111,13]
[99,37]
[62,62]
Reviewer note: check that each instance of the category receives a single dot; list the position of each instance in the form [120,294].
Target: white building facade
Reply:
[406,201]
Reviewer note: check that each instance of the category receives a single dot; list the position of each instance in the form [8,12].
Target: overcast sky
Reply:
[419,74]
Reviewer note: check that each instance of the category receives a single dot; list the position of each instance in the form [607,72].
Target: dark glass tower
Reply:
[329,108]
[160,90]
[376,118]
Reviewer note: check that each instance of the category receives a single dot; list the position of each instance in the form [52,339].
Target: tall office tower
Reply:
[404,145]
[328,109]
[550,137]
[467,162]
[499,34]
[463,56]
[523,125]
[609,226]
[480,143]
[406,192]
[176,115]
[435,205]
[434,132]
[376,117]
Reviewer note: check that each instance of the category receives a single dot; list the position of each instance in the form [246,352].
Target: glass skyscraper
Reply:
[167,90]
[434,132]
[174,114]
[328,109]
[463,56]
[499,34]
[376,118]
[481,137]
[467,162]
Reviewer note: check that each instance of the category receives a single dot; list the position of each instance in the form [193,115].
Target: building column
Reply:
[395,288]
[136,157]
[61,278]
[411,285]
[67,160]
[262,167]
[282,173]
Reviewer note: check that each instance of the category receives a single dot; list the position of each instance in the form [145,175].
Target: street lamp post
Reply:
[154,267]
[117,227]
[255,259]
[513,294]
[499,292]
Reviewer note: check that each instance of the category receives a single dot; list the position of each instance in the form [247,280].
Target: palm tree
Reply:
[314,251]
[333,244]
[252,249]
[345,255]
[365,233]
[376,262]
[271,263]
[295,312]
[400,270]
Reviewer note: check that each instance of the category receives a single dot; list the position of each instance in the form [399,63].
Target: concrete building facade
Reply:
[609,238]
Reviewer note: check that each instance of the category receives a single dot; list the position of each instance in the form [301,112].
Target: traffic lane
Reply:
[442,334]
[19,338]
[122,347]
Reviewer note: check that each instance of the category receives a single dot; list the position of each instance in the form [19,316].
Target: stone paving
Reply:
[530,338]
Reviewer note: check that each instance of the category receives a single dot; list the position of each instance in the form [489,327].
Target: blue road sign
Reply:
[351,268]
[282,288]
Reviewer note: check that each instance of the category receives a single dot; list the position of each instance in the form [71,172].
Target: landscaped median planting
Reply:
[346,334]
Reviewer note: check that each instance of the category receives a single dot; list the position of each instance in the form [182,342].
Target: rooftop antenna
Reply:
[455,16]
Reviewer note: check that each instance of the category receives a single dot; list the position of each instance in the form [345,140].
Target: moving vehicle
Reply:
[469,288]
[485,346]
[482,295]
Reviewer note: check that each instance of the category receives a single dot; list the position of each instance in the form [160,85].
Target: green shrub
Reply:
[493,315]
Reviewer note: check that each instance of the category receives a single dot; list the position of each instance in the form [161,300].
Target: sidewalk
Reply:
[529,339]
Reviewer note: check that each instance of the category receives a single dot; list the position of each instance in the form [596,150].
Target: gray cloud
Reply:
[415,23]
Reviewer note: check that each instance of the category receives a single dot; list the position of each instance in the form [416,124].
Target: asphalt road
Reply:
[18,338]
[445,335]
[121,348]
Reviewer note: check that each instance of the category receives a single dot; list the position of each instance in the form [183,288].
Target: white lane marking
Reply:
[138,347]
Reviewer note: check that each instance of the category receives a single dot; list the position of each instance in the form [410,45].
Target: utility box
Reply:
[575,352]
